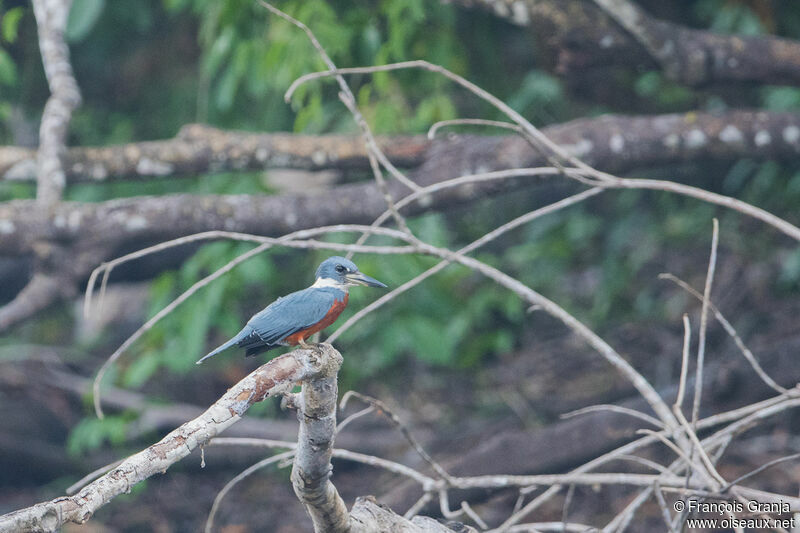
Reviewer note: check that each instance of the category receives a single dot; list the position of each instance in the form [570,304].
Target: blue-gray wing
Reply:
[290,314]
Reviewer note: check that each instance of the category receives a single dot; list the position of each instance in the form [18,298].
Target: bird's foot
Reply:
[290,401]
[308,345]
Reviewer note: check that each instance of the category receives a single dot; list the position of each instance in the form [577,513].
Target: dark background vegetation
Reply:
[459,357]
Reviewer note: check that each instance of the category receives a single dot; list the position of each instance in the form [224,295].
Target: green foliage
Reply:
[83,16]
[91,433]
[244,66]
[182,337]
[229,62]
[9,76]
[655,87]
[8,70]
[728,17]
[781,98]
[540,97]
[9,24]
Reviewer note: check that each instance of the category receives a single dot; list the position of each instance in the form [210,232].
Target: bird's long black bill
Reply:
[363,279]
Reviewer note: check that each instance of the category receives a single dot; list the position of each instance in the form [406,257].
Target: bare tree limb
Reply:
[41,291]
[312,461]
[276,376]
[51,22]
[201,149]
[612,143]
[579,35]
[637,142]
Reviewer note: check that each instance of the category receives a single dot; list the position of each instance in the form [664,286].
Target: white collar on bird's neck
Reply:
[328,282]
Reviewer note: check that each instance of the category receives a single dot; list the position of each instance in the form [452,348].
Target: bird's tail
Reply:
[221,348]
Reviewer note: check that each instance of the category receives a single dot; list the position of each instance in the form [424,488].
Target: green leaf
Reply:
[176,5]
[9,25]
[82,18]
[8,70]
[219,51]
[431,340]
[781,98]
[140,370]
[91,433]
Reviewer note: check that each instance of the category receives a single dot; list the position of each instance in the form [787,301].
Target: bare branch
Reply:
[582,37]
[383,409]
[523,219]
[41,291]
[701,345]
[687,338]
[471,122]
[278,375]
[338,453]
[200,149]
[729,329]
[239,477]
[312,461]
[51,22]
[760,469]
[267,243]
[617,409]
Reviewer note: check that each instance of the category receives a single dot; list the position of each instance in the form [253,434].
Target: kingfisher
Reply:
[290,320]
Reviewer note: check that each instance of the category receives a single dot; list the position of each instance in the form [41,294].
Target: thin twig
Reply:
[508,226]
[383,409]
[367,410]
[760,469]
[471,87]
[418,505]
[239,477]
[730,330]
[565,508]
[91,476]
[701,344]
[710,469]
[687,337]
[298,239]
[615,409]
[471,122]
[662,503]
[339,453]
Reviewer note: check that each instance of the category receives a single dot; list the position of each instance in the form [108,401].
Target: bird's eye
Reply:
[340,268]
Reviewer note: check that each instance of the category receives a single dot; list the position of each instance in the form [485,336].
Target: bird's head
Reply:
[341,272]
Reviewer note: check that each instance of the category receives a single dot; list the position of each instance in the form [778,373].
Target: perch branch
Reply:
[276,376]
[312,461]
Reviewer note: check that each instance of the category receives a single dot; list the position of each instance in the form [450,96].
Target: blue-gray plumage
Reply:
[290,320]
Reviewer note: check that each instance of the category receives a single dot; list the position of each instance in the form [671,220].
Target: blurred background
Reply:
[462,361]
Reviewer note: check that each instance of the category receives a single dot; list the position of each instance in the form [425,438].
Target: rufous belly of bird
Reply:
[336,310]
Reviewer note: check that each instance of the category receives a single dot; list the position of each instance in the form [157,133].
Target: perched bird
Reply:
[290,320]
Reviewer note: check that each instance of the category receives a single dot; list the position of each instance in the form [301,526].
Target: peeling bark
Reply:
[276,376]
[316,368]
[369,516]
[312,461]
